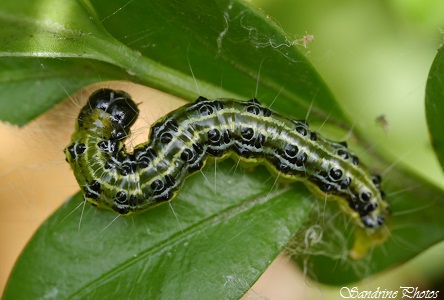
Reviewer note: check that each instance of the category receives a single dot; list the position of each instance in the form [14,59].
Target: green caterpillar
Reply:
[181,142]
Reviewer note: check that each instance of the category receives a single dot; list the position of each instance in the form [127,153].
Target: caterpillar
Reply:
[180,143]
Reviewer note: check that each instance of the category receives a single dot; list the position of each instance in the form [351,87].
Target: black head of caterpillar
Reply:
[116,108]
[181,141]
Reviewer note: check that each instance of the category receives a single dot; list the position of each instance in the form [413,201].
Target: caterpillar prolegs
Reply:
[180,143]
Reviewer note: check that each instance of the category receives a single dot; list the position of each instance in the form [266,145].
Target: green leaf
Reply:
[195,249]
[226,43]
[416,224]
[29,86]
[435,104]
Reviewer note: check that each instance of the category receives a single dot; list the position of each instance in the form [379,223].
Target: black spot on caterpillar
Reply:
[180,143]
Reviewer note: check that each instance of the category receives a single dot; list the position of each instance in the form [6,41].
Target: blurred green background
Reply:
[375,57]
